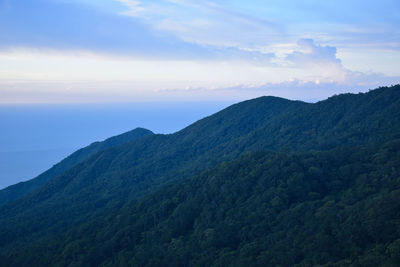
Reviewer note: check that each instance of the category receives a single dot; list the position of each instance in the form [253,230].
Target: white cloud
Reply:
[205,23]
[135,7]
[310,53]
[307,68]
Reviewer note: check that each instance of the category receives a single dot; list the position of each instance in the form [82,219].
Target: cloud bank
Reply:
[68,50]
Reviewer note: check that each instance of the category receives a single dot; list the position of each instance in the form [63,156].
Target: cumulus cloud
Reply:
[311,53]
[320,64]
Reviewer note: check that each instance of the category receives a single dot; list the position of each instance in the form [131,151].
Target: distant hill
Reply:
[19,190]
[107,189]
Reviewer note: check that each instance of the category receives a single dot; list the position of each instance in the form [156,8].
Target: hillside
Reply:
[21,189]
[334,208]
[112,181]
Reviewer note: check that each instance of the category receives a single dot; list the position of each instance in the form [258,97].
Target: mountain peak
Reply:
[19,190]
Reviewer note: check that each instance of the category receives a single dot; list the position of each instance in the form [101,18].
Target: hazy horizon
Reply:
[35,137]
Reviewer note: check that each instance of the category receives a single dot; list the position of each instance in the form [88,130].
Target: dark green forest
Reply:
[265,182]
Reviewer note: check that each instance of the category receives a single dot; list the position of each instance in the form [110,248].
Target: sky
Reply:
[96,51]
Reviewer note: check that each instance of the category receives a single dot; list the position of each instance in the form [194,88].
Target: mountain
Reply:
[108,186]
[19,190]
[333,208]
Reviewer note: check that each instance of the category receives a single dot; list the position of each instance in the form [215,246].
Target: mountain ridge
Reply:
[117,177]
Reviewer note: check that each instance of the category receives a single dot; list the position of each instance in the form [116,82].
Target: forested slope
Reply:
[334,208]
[19,190]
[111,181]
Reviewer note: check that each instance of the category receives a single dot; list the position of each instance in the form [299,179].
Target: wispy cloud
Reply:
[134,6]
[180,45]
[207,22]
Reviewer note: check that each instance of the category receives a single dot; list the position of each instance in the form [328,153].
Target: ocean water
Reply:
[35,137]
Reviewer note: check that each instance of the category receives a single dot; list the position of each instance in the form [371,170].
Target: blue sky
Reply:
[57,51]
